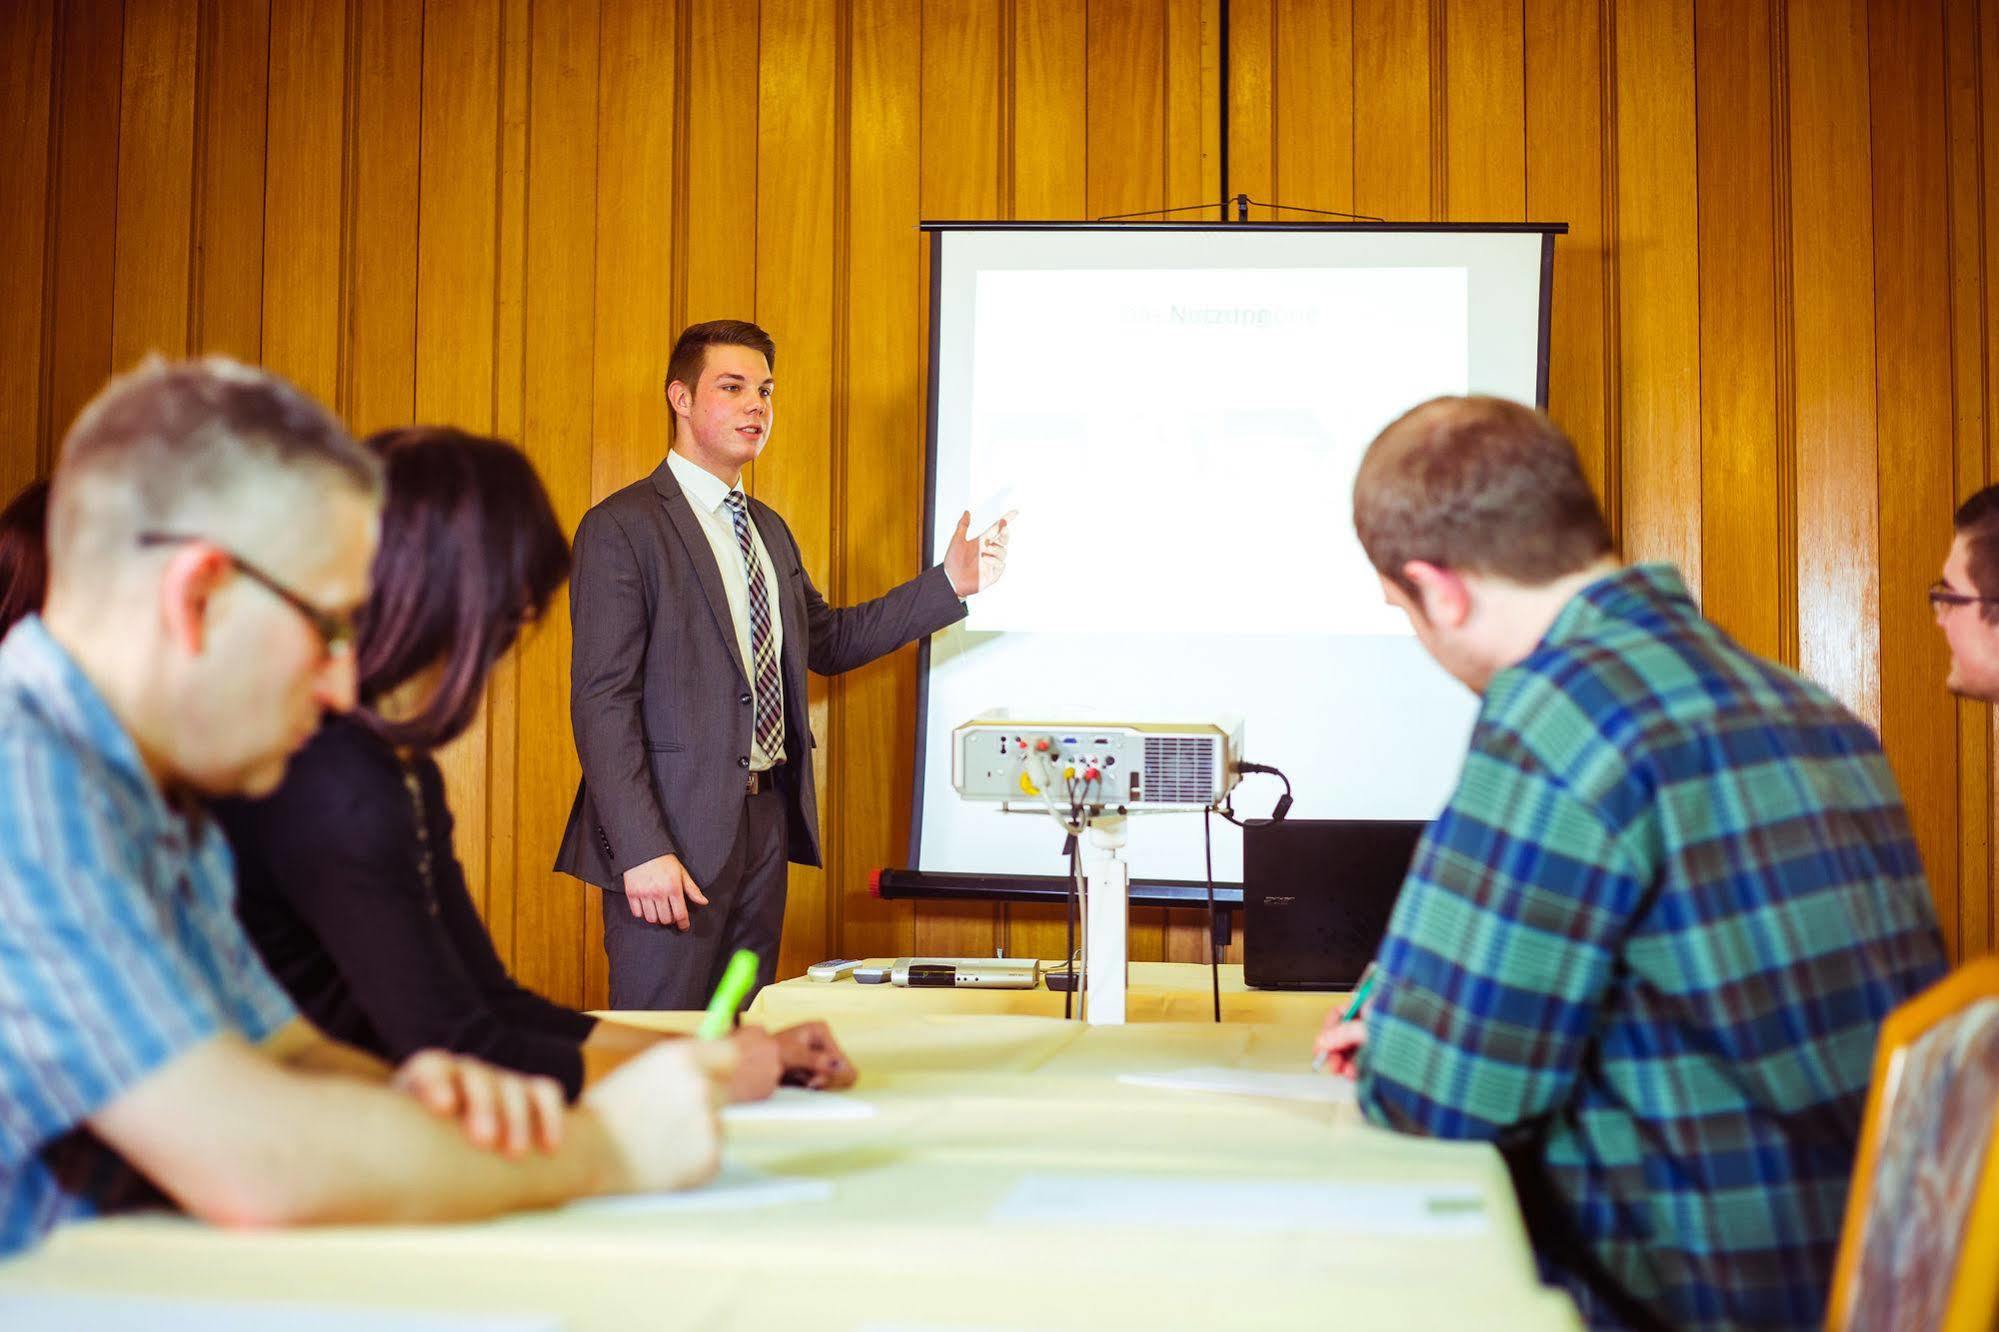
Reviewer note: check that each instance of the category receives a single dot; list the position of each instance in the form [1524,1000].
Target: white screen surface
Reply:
[1177,416]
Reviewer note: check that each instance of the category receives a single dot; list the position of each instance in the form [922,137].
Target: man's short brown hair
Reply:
[690,349]
[1480,485]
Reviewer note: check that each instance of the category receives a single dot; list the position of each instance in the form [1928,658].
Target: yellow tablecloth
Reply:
[967,1105]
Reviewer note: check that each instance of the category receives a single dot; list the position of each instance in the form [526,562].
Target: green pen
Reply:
[737,980]
[1360,993]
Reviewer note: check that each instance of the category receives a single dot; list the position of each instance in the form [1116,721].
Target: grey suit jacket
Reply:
[658,696]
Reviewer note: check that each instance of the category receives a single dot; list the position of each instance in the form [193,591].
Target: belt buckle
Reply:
[753,785]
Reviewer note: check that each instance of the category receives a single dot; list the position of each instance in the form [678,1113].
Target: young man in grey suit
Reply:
[694,623]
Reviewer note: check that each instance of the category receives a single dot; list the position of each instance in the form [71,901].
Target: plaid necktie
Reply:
[763,654]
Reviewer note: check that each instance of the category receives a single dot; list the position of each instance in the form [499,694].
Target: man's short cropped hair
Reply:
[690,349]
[1479,485]
[209,448]
[1977,521]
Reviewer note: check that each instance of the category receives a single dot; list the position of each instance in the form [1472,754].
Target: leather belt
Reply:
[759,782]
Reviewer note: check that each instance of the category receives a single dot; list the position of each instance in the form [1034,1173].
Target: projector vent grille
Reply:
[1179,769]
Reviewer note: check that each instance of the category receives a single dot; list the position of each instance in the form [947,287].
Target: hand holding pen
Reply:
[1338,1047]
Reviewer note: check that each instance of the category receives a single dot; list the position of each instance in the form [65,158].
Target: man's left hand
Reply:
[976,563]
[812,1058]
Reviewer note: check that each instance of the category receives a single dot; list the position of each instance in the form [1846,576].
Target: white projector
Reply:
[1139,765]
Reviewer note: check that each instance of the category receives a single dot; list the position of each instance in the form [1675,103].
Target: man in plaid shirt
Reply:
[1647,946]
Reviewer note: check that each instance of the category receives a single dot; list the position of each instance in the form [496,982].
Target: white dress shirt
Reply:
[707,494]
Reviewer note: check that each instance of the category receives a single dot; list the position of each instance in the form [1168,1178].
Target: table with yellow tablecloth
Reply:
[907,1230]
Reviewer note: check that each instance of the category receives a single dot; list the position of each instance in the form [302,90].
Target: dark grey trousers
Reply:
[659,967]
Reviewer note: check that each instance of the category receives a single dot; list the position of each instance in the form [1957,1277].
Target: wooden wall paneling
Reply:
[553,329]
[154,251]
[1972,816]
[1050,153]
[639,88]
[516,946]
[27,80]
[303,194]
[1967,28]
[1565,172]
[1193,103]
[1743,553]
[457,240]
[226,286]
[1658,284]
[384,138]
[879,370]
[88,55]
[1832,340]
[724,63]
[1314,99]
[1912,307]
[1254,104]
[1988,178]
[796,238]
[1127,142]
[960,126]
[1392,110]
[1485,152]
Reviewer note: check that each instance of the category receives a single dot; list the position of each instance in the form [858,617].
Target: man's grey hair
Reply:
[208,448]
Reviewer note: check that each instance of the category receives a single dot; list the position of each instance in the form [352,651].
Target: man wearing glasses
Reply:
[210,536]
[1966,610]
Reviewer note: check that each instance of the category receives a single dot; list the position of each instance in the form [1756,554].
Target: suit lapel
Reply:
[700,556]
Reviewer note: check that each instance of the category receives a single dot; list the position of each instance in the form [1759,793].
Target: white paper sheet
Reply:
[797,1103]
[1246,1205]
[54,1311]
[1320,1087]
[738,1187]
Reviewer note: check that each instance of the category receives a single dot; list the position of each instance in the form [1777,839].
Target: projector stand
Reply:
[1106,921]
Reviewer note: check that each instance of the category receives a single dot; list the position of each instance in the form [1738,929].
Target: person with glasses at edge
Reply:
[1966,599]
[347,880]
[210,535]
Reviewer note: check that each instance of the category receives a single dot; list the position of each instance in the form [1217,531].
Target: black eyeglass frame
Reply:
[337,630]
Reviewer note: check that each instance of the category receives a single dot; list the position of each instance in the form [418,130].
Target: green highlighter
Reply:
[737,981]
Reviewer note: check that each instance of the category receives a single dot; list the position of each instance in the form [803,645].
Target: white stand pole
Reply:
[1106,924]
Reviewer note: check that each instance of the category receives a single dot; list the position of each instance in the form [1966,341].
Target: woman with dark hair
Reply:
[347,881]
[24,557]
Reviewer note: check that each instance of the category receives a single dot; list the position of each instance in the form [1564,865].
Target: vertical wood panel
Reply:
[455,314]
[960,128]
[1315,111]
[1832,336]
[384,136]
[559,419]
[881,373]
[303,194]
[1392,109]
[1485,111]
[1254,103]
[637,87]
[27,74]
[719,204]
[1565,183]
[794,303]
[1741,529]
[84,221]
[1912,376]
[1193,103]
[1969,343]
[1988,175]
[155,181]
[227,283]
[1050,154]
[1659,283]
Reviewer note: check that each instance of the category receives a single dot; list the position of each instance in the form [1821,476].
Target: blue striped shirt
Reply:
[119,948]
